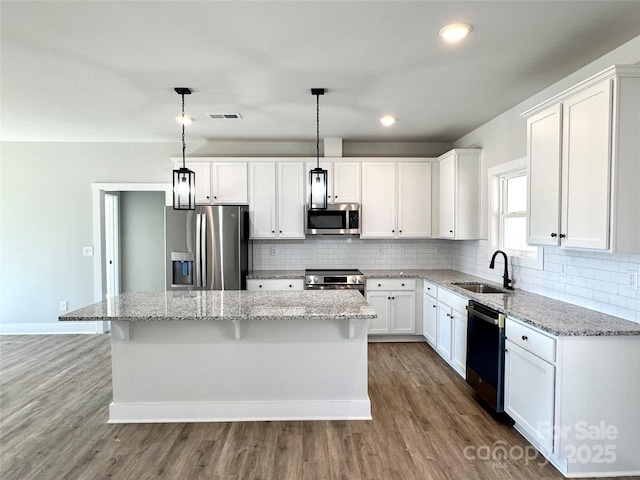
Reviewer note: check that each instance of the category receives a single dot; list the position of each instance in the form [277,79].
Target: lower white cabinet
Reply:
[430,316]
[394,300]
[575,398]
[451,331]
[275,284]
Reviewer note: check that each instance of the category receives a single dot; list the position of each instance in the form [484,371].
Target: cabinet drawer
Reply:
[531,340]
[275,284]
[430,289]
[453,300]
[391,284]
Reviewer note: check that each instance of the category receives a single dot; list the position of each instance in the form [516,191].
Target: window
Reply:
[513,215]
[508,214]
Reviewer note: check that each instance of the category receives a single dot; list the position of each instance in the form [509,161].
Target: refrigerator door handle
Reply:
[203,249]
[198,252]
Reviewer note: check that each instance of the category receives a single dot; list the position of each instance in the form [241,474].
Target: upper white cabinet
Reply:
[396,199]
[346,182]
[220,182]
[276,199]
[584,164]
[460,194]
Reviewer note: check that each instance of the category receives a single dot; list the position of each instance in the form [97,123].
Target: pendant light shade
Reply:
[184,180]
[318,177]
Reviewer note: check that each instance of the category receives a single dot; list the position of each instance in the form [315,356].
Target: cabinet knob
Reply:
[562,235]
[388,298]
[259,286]
[524,337]
[450,231]
[280,231]
[554,235]
[403,284]
[434,306]
[393,231]
[215,197]
[208,196]
[400,231]
[273,231]
[290,286]
[393,298]
[335,196]
[379,285]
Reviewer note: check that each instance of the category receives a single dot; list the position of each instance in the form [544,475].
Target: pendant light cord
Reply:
[184,145]
[317,131]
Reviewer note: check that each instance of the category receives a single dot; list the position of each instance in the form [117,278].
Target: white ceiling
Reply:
[105,71]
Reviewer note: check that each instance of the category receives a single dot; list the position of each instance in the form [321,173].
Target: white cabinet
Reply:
[220,182]
[451,330]
[275,284]
[430,313]
[575,398]
[584,162]
[396,199]
[229,183]
[276,199]
[202,171]
[346,182]
[459,194]
[394,300]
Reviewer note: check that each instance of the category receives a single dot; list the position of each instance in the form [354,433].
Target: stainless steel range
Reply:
[339,279]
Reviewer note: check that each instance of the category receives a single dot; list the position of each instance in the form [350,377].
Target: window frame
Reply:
[497,175]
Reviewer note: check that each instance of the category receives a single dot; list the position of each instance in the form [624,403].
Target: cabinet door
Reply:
[443,345]
[529,391]
[290,200]
[328,166]
[378,200]
[430,319]
[586,168]
[262,199]
[447,197]
[379,300]
[203,181]
[229,182]
[403,306]
[459,342]
[544,144]
[414,200]
[346,182]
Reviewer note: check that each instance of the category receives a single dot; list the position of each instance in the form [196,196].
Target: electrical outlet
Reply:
[274,251]
[438,250]
[402,251]
[64,305]
[380,250]
[632,280]
[563,268]
[87,251]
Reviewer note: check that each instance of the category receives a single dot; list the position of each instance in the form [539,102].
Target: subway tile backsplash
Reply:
[350,252]
[597,281]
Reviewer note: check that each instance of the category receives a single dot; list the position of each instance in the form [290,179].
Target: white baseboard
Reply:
[52,328]
[239,411]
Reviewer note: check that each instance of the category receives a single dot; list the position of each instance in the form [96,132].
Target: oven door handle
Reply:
[482,316]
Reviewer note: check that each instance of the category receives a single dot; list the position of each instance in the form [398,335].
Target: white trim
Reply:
[62,328]
[176,412]
[494,192]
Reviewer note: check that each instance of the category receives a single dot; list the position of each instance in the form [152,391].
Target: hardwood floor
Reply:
[55,392]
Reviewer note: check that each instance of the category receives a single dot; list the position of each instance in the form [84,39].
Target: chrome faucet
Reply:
[506,280]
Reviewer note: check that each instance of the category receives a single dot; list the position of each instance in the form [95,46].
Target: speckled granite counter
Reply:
[227,305]
[275,274]
[553,316]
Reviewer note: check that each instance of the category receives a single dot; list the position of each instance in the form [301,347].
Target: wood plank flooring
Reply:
[54,397]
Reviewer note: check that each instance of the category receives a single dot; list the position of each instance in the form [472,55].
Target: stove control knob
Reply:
[315,279]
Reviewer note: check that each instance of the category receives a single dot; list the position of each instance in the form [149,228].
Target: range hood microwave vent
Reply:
[224,116]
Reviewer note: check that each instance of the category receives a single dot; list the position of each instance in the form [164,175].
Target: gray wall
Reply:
[141,241]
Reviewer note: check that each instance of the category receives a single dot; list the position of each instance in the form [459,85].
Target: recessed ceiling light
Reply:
[455,32]
[388,120]
[184,120]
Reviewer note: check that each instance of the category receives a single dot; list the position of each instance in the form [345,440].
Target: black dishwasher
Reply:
[485,354]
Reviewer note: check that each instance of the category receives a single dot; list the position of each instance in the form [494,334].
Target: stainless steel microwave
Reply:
[336,219]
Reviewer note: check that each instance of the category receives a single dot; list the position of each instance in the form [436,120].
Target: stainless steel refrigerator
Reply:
[208,248]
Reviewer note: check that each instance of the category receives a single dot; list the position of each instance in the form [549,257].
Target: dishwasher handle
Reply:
[482,316]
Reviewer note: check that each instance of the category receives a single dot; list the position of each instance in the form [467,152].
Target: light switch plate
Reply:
[632,280]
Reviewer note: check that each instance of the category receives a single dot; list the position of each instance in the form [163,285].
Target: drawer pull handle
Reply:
[524,337]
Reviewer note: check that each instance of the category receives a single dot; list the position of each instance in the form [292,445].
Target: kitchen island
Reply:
[206,356]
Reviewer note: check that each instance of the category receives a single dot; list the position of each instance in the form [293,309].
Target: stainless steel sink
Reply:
[479,288]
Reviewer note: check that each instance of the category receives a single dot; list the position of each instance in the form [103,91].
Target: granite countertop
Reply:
[227,305]
[275,274]
[553,316]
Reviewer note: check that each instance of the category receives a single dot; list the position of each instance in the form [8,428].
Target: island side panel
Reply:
[279,369]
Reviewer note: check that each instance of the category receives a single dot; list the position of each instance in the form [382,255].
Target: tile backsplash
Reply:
[597,281]
[350,252]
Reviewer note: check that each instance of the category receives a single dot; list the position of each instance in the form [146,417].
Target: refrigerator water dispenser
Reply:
[182,268]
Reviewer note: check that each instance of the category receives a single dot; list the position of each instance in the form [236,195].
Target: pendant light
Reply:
[317,176]
[184,180]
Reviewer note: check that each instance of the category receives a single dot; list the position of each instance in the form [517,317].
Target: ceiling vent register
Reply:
[224,116]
